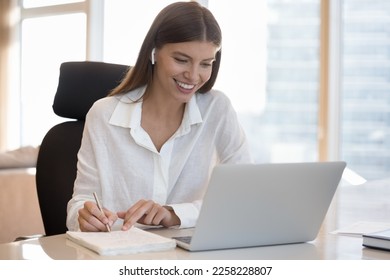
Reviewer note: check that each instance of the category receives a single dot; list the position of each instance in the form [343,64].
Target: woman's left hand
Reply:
[148,212]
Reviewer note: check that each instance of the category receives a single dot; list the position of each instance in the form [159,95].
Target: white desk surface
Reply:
[352,204]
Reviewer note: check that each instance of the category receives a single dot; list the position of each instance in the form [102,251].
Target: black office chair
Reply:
[80,85]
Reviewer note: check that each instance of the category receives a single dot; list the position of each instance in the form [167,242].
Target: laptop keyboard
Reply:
[185,239]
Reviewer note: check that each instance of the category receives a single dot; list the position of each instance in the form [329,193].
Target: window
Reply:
[365,137]
[46,43]
[270,70]
[43,3]
[125,29]
[53,34]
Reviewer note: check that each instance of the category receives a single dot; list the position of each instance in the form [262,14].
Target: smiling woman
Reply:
[148,148]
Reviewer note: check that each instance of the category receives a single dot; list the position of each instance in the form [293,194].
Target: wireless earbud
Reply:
[152,56]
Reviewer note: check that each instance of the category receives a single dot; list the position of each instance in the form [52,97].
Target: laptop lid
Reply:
[249,205]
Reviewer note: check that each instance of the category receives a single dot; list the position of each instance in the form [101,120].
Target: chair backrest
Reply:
[80,85]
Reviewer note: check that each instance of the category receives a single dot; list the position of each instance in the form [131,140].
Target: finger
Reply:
[94,210]
[135,207]
[111,216]
[162,215]
[136,212]
[86,226]
[121,214]
[130,221]
[153,215]
[87,222]
[92,215]
[140,207]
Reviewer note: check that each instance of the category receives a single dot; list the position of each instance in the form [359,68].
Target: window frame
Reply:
[94,11]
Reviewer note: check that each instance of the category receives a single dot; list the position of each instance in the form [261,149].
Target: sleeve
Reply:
[231,142]
[87,179]
[187,212]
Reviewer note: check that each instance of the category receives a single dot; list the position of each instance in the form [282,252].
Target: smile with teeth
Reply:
[184,85]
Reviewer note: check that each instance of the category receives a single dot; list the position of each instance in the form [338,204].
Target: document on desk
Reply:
[120,242]
[363,227]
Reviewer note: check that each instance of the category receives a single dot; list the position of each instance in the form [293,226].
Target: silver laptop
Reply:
[264,204]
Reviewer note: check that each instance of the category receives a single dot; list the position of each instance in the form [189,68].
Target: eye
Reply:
[206,65]
[180,60]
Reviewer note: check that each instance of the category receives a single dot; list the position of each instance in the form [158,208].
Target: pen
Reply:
[100,208]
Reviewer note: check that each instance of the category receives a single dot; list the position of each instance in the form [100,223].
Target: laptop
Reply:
[249,205]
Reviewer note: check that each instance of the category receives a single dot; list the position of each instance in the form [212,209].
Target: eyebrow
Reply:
[189,57]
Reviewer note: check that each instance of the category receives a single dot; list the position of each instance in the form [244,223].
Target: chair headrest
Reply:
[81,83]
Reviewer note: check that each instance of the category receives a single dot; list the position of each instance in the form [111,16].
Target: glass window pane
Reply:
[46,43]
[365,87]
[41,3]
[125,29]
[270,71]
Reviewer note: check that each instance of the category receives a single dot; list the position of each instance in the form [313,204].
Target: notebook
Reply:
[378,239]
[264,204]
[132,241]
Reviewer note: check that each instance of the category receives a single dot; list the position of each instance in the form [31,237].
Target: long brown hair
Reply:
[178,22]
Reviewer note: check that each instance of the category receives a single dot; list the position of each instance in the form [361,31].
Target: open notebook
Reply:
[135,240]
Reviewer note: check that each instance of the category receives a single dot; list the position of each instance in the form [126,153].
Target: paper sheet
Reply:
[363,227]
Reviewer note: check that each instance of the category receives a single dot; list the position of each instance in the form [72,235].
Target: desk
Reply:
[369,202]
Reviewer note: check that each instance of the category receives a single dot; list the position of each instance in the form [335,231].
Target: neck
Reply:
[163,109]
[160,106]
[161,119]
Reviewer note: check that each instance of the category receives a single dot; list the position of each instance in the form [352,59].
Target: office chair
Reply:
[80,85]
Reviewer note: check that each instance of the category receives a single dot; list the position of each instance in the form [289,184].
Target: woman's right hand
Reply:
[92,219]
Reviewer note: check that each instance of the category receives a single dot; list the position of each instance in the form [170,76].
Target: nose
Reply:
[191,73]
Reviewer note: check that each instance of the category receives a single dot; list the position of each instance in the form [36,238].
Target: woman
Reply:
[148,149]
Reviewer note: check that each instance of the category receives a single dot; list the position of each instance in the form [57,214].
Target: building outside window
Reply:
[365,137]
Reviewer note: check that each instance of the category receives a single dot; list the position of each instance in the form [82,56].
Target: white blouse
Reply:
[118,160]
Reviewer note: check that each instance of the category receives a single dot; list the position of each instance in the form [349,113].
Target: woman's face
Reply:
[182,68]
